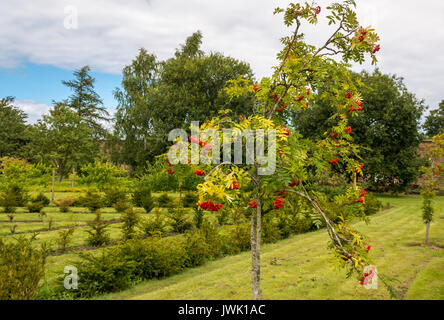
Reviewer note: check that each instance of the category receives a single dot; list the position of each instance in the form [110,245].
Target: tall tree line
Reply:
[158,96]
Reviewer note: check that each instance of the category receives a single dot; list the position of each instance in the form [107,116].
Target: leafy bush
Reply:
[139,192]
[148,202]
[270,230]
[180,221]
[190,200]
[35,207]
[64,204]
[239,238]
[130,219]
[120,267]
[164,201]
[121,205]
[197,249]
[371,204]
[155,257]
[136,260]
[222,216]
[22,267]
[98,234]
[92,200]
[64,238]
[198,217]
[142,198]
[41,198]
[104,272]
[154,225]
[12,197]
[113,196]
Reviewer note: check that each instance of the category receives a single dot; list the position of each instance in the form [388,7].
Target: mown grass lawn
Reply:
[301,267]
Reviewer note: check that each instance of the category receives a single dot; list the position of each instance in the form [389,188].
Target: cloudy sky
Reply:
[43,41]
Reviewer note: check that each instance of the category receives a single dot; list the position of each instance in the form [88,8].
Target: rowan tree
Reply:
[299,163]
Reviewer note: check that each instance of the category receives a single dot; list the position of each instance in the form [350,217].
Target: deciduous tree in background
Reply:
[158,96]
[13,134]
[388,129]
[63,139]
[434,123]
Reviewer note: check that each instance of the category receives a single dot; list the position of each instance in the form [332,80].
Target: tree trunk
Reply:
[256,230]
[256,252]
[53,184]
[73,176]
[427,233]
[61,172]
[255,267]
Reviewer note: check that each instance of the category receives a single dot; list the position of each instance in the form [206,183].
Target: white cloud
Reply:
[110,32]
[33,109]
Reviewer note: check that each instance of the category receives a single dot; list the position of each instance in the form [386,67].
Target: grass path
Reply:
[301,267]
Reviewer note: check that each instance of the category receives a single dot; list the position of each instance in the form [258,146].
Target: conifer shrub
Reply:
[22,267]
[130,219]
[98,233]
[41,198]
[164,201]
[93,201]
[64,204]
[35,207]
[113,196]
[156,224]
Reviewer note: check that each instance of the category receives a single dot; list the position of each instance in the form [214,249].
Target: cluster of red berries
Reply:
[170,171]
[286,132]
[209,205]
[203,144]
[360,167]
[363,33]
[359,108]
[376,49]
[318,10]
[348,130]
[282,106]
[278,203]
[361,197]
[256,88]
[301,97]
[252,204]
[235,186]
[200,173]
[362,282]
[334,161]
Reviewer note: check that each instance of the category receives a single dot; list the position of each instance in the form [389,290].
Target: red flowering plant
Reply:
[298,162]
